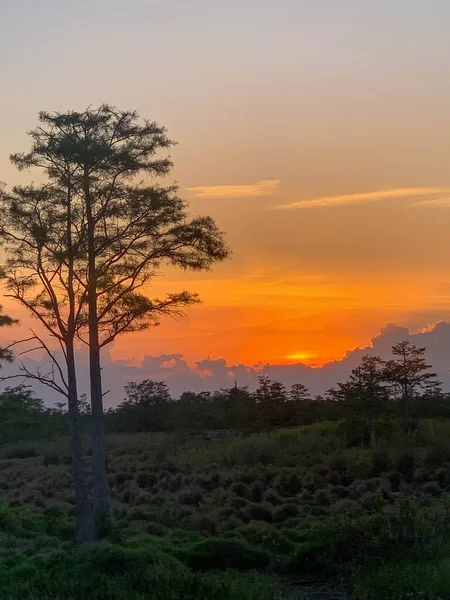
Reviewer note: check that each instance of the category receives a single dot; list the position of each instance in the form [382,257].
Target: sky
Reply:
[315,133]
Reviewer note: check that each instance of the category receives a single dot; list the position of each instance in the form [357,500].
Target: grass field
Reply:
[237,519]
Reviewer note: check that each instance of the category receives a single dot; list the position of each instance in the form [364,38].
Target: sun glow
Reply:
[302,356]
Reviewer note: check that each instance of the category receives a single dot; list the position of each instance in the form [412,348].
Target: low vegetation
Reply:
[358,497]
[196,517]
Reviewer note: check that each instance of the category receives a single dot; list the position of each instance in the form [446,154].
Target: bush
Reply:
[284,512]
[239,489]
[202,523]
[156,529]
[255,450]
[405,463]
[267,538]
[381,460]
[437,455]
[256,491]
[441,475]
[228,524]
[51,459]
[288,484]
[24,452]
[122,478]
[219,553]
[432,488]
[192,496]
[323,497]
[271,496]
[258,512]
[238,503]
[404,579]
[395,479]
[144,479]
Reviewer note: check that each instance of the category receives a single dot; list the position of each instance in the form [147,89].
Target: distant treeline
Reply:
[379,397]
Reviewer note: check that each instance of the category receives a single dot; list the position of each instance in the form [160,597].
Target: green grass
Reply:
[196,518]
[405,579]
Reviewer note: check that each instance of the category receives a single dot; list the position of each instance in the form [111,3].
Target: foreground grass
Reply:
[421,579]
[195,518]
[104,571]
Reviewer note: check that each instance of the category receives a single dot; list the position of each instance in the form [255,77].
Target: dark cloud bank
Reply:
[212,373]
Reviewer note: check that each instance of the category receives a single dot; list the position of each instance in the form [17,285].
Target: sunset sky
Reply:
[316,133]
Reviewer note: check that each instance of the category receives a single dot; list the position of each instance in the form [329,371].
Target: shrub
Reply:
[24,452]
[238,502]
[338,462]
[410,577]
[228,524]
[175,483]
[437,455]
[266,537]
[420,475]
[122,478]
[405,463]
[219,553]
[360,466]
[255,493]
[210,483]
[239,489]
[373,484]
[347,506]
[395,478]
[192,496]
[201,523]
[156,529]
[441,475]
[51,459]
[357,490]
[284,512]
[371,500]
[340,490]
[140,514]
[259,512]
[144,479]
[255,450]
[271,496]
[381,460]
[288,484]
[432,488]
[334,477]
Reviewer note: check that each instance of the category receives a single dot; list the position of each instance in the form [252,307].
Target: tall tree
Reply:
[146,405]
[127,229]
[270,397]
[299,393]
[366,393]
[38,232]
[409,373]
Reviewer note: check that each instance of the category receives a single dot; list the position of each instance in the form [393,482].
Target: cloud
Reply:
[432,194]
[215,373]
[266,187]
[443,202]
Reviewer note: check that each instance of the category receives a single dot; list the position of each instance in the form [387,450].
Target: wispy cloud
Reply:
[427,194]
[266,187]
[442,202]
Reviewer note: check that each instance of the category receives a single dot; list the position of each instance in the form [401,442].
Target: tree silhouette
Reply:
[409,373]
[38,230]
[270,396]
[126,231]
[367,395]
[299,393]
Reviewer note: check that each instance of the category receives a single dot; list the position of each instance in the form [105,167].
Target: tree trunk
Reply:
[84,518]
[101,489]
